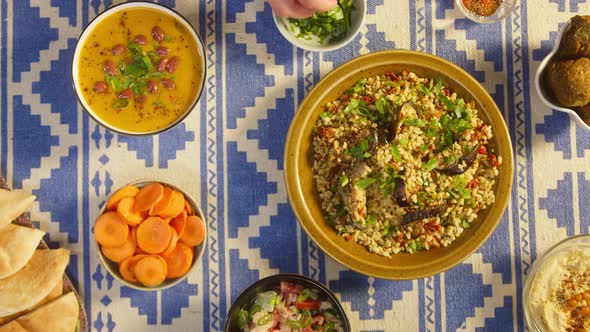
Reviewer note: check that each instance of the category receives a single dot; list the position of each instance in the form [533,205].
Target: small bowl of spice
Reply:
[486,11]
[324,31]
[556,295]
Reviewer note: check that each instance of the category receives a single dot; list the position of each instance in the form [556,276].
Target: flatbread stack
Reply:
[31,280]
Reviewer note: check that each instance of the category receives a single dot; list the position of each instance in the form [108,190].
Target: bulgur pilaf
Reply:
[402,164]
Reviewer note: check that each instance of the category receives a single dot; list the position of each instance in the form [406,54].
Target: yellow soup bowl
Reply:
[139,68]
[305,199]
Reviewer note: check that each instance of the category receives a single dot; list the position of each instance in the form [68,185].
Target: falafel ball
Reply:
[570,81]
[576,40]
[584,113]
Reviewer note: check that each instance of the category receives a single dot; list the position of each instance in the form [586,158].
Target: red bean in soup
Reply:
[139,70]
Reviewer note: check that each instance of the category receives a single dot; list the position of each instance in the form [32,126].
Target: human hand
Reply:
[300,8]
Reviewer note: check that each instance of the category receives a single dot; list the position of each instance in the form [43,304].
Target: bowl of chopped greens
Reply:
[287,302]
[324,31]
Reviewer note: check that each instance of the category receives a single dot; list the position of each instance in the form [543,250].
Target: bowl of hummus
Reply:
[556,295]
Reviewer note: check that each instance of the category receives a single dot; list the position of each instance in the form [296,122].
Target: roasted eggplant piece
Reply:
[399,193]
[456,169]
[424,213]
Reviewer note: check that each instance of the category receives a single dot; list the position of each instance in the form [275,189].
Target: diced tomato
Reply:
[308,305]
[482,150]
[393,76]
[473,184]
[493,160]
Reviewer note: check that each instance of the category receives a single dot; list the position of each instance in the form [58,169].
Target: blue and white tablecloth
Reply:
[228,154]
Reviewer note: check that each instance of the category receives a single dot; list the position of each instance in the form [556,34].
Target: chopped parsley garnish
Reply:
[360,151]
[431,164]
[395,152]
[371,220]
[365,183]
[414,122]
[329,27]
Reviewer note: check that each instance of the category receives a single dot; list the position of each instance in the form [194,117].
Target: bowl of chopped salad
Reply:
[324,31]
[287,302]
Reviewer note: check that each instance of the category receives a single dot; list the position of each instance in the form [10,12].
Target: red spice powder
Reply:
[482,7]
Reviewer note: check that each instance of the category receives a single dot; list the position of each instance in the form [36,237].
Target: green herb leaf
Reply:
[395,152]
[431,164]
[365,183]
[167,38]
[414,122]
[343,180]
[371,220]
[383,105]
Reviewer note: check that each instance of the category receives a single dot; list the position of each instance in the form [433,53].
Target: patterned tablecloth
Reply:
[228,154]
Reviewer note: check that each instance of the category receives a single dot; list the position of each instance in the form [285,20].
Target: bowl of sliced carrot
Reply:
[150,235]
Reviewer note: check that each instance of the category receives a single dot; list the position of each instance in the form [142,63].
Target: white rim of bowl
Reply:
[539,77]
[107,262]
[282,23]
[110,11]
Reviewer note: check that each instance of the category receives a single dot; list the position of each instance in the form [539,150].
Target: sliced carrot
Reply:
[151,270]
[137,248]
[126,267]
[189,208]
[179,223]
[127,191]
[111,230]
[176,205]
[194,231]
[126,208]
[163,204]
[173,240]
[117,254]
[149,196]
[179,261]
[153,235]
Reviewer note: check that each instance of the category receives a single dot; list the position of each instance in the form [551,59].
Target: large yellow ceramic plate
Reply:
[301,186]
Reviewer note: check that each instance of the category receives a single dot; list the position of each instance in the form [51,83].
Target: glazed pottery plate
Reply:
[301,185]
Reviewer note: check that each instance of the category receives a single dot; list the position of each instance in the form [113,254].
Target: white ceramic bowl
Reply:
[113,267]
[357,19]
[545,96]
[121,7]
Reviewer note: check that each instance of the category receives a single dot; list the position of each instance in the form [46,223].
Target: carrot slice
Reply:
[117,254]
[163,204]
[126,267]
[179,223]
[194,231]
[189,208]
[153,235]
[111,230]
[127,191]
[149,196]
[173,240]
[151,270]
[176,205]
[126,208]
[179,261]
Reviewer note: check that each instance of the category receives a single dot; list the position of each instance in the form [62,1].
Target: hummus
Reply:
[559,297]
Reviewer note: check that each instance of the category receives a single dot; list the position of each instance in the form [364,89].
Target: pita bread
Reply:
[60,315]
[13,326]
[17,246]
[33,282]
[13,204]
[56,292]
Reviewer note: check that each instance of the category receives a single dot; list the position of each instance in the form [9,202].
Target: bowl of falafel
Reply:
[563,78]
